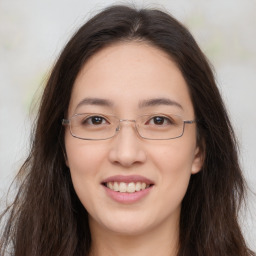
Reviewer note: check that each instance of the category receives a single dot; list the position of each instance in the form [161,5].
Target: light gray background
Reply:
[32,34]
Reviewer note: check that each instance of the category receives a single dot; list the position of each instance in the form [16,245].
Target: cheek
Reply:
[83,158]
[84,162]
[176,158]
[175,165]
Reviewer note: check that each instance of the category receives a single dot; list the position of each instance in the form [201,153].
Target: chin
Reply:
[128,224]
[129,229]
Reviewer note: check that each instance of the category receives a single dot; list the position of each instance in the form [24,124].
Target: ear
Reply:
[198,160]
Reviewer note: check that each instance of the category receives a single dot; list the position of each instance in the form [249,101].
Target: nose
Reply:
[127,148]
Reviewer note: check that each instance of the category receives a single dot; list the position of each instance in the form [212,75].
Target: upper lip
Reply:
[128,179]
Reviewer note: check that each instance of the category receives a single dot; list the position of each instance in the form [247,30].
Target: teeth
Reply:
[111,186]
[131,187]
[138,186]
[122,187]
[127,187]
[116,187]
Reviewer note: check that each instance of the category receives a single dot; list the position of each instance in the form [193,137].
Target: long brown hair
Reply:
[47,218]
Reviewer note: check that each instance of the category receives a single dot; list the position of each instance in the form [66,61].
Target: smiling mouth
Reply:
[131,187]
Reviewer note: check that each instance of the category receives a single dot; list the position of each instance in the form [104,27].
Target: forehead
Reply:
[127,73]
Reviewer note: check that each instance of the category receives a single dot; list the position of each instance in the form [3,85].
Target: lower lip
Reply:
[127,198]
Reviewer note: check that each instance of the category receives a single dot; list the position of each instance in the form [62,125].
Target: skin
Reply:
[127,73]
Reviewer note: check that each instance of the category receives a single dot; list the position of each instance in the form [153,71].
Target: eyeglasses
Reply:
[95,126]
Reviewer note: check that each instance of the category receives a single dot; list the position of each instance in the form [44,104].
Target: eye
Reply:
[160,120]
[94,120]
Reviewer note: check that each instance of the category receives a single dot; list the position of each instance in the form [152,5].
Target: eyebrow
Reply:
[95,101]
[159,101]
[142,104]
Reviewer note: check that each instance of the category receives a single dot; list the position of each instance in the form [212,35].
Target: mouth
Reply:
[127,184]
[131,187]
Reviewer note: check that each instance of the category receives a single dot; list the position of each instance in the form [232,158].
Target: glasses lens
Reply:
[93,126]
[160,126]
[101,127]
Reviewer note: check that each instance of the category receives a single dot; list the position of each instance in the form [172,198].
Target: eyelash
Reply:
[88,120]
[164,120]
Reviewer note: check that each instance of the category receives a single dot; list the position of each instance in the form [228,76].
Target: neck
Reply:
[159,241]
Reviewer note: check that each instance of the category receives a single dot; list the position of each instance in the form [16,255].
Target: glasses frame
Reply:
[67,122]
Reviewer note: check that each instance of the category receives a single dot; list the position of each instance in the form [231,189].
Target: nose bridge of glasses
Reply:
[123,121]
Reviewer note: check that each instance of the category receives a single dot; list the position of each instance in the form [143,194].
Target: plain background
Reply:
[32,34]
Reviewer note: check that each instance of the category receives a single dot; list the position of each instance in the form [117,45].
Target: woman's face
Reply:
[128,80]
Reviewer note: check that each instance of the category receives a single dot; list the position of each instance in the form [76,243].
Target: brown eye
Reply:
[159,120]
[97,120]
[94,120]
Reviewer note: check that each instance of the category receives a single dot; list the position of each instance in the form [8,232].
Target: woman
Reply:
[133,151]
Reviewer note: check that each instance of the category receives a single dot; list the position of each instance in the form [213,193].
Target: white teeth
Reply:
[131,187]
[138,186]
[127,187]
[110,185]
[116,187]
[122,187]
